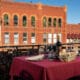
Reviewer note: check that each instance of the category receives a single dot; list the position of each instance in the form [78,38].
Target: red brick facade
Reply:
[73,32]
[39,11]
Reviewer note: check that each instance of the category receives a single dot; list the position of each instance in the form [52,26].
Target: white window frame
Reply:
[33,39]
[6,38]
[16,38]
[50,38]
[54,37]
[26,41]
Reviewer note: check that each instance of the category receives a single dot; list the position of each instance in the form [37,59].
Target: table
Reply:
[45,69]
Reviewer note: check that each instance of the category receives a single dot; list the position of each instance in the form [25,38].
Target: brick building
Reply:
[28,23]
[73,33]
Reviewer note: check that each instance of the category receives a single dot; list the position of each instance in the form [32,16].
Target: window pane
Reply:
[55,35]
[24,34]
[44,22]
[6,19]
[60,36]
[44,35]
[59,22]
[49,22]
[24,20]
[49,35]
[15,20]
[6,38]
[54,22]
[16,38]
[33,35]
[25,37]
[33,40]
[49,40]
[33,21]
[54,40]
[67,40]
[44,38]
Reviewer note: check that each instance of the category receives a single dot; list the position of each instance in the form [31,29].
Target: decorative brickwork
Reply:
[38,11]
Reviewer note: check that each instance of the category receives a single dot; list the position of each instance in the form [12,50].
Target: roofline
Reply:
[74,24]
[33,4]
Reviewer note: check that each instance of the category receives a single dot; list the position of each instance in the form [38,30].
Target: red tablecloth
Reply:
[45,69]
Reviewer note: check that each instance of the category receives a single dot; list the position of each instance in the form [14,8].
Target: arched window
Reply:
[49,21]
[33,21]
[6,20]
[15,20]
[54,22]
[44,21]
[59,22]
[24,21]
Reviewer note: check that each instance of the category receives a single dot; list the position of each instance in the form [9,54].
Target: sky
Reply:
[73,8]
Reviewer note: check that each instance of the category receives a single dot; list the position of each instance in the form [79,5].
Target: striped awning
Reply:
[73,36]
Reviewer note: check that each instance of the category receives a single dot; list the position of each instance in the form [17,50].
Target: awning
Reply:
[79,36]
[68,36]
[73,36]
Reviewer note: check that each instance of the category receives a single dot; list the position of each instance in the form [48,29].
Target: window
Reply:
[24,21]
[44,38]
[59,22]
[54,37]
[54,22]
[44,22]
[49,38]
[15,20]
[49,22]
[6,20]
[6,38]
[57,37]
[16,38]
[33,21]
[33,35]
[60,36]
[33,39]
[24,37]
[67,40]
